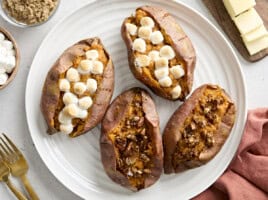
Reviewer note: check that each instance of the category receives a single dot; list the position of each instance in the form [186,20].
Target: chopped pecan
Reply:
[120,143]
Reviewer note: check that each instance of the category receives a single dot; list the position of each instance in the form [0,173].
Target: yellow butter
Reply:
[236,7]
[248,21]
[257,45]
[255,34]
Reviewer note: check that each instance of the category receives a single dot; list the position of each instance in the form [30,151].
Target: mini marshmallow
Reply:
[64,119]
[80,88]
[176,92]
[92,54]
[3,78]
[82,114]
[3,51]
[69,98]
[66,128]
[161,62]
[177,71]
[11,52]
[139,45]
[131,28]
[64,85]
[154,55]
[85,103]
[85,66]
[142,61]
[145,32]
[165,82]
[71,110]
[2,70]
[72,75]
[147,21]
[3,61]
[7,44]
[167,52]
[92,85]
[10,63]
[161,73]
[157,37]
[2,37]
[97,67]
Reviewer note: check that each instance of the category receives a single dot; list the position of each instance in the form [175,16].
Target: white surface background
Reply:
[12,109]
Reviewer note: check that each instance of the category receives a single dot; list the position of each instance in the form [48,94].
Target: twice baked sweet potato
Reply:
[198,129]
[130,142]
[160,54]
[78,88]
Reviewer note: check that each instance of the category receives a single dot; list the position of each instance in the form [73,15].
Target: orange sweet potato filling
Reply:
[133,145]
[80,123]
[199,128]
[149,71]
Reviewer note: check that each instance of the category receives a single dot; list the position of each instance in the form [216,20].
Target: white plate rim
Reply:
[221,35]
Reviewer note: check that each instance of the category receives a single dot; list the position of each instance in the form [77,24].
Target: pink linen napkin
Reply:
[247,176]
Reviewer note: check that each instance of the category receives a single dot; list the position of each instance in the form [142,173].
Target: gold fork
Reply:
[4,176]
[17,163]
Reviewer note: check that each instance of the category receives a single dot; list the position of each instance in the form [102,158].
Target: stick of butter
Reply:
[255,34]
[236,7]
[257,45]
[248,21]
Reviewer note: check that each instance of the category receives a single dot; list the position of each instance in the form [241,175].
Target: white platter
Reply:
[76,162]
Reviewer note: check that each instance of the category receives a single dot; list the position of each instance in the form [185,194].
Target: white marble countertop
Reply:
[12,109]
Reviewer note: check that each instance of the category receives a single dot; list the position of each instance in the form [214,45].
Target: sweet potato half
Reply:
[160,54]
[130,142]
[198,129]
[78,88]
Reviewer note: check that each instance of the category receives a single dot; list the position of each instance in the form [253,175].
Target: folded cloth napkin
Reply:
[247,176]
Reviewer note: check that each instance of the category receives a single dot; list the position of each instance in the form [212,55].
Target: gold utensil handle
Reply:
[16,192]
[29,188]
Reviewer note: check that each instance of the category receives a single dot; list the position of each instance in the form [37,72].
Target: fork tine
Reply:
[6,147]
[12,144]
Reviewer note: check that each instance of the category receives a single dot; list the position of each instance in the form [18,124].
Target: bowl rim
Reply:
[17,57]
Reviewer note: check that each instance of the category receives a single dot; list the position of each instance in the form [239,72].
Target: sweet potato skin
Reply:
[115,113]
[181,44]
[171,135]
[51,92]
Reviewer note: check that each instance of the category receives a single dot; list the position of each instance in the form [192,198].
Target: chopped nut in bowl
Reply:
[27,13]
[9,58]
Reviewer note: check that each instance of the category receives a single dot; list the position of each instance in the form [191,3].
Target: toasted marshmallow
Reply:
[85,103]
[7,44]
[92,54]
[142,61]
[80,88]
[2,70]
[85,66]
[69,98]
[72,75]
[131,28]
[147,21]
[165,82]
[176,92]
[97,67]
[161,72]
[157,37]
[64,119]
[2,37]
[66,128]
[10,63]
[82,114]
[92,85]
[71,110]
[145,32]
[154,55]
[167,52]
[139,45]
[161,62]
[3,78]
[177,71]
[64,85]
